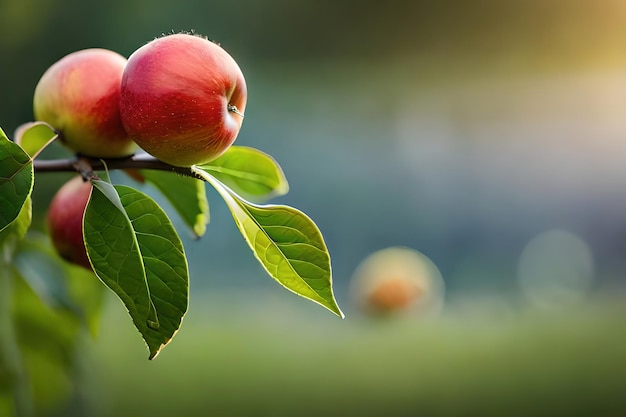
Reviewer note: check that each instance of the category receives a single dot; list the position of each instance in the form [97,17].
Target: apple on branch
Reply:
[182,99]
[65,220]
[79,96]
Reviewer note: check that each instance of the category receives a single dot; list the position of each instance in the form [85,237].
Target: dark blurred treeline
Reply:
[518,33]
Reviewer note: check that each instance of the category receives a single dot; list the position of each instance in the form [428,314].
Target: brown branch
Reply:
[86,165]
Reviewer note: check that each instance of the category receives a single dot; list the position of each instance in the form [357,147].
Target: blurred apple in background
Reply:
[397,281]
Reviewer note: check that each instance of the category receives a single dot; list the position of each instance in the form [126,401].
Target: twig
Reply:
[79,164]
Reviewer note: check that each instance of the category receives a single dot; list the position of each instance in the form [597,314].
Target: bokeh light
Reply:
[555,269]
[397,281]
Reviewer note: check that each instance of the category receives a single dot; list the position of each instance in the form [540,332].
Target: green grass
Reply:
[289,360]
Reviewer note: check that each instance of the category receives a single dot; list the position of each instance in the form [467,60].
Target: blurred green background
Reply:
[487,135]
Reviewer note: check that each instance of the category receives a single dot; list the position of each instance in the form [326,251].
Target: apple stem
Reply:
[234,109]
[86,165]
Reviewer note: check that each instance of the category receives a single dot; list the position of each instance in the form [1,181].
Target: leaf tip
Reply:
[283,187]
[155,349]
[334,308]
[154,353]
[198,230]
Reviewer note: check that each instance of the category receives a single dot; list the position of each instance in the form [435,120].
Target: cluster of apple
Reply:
[180,98]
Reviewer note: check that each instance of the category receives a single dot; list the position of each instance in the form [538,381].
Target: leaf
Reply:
[43,273]
[48,341]
[187,195]
[86,293]
[249,172]
[286,242]
[136,252]
[57,283]
[38,339]
[18,227]
[16,180]
[14,389]
[34,137]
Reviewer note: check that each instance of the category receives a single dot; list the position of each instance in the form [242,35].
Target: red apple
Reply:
[183,99]
[79,96]
[65,220]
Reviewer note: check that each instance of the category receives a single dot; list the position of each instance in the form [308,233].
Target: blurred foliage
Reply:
[516,35]
[482,358]
[47,307]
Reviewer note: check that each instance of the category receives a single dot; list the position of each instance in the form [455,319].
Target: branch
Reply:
[86,165]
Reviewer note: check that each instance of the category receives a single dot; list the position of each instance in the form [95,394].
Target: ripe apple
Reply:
[397,281]
[182,99]
[79,96]
[65,220]
[393,294]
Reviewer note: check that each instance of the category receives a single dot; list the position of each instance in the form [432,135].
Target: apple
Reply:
[79,96]
[65,220]
[182,99]
[393,294]
[397,281]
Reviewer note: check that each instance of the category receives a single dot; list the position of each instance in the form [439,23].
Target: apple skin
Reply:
[65,220]
[79,96]
[177,99]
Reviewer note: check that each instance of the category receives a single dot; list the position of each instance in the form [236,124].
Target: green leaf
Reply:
[18,227]
[16,180]
[21,224]
[15,392]
[33,137]
[39,339]
[187,195]
[286,242]
[249,172]
[57,283]
[48,342]
[136,252]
